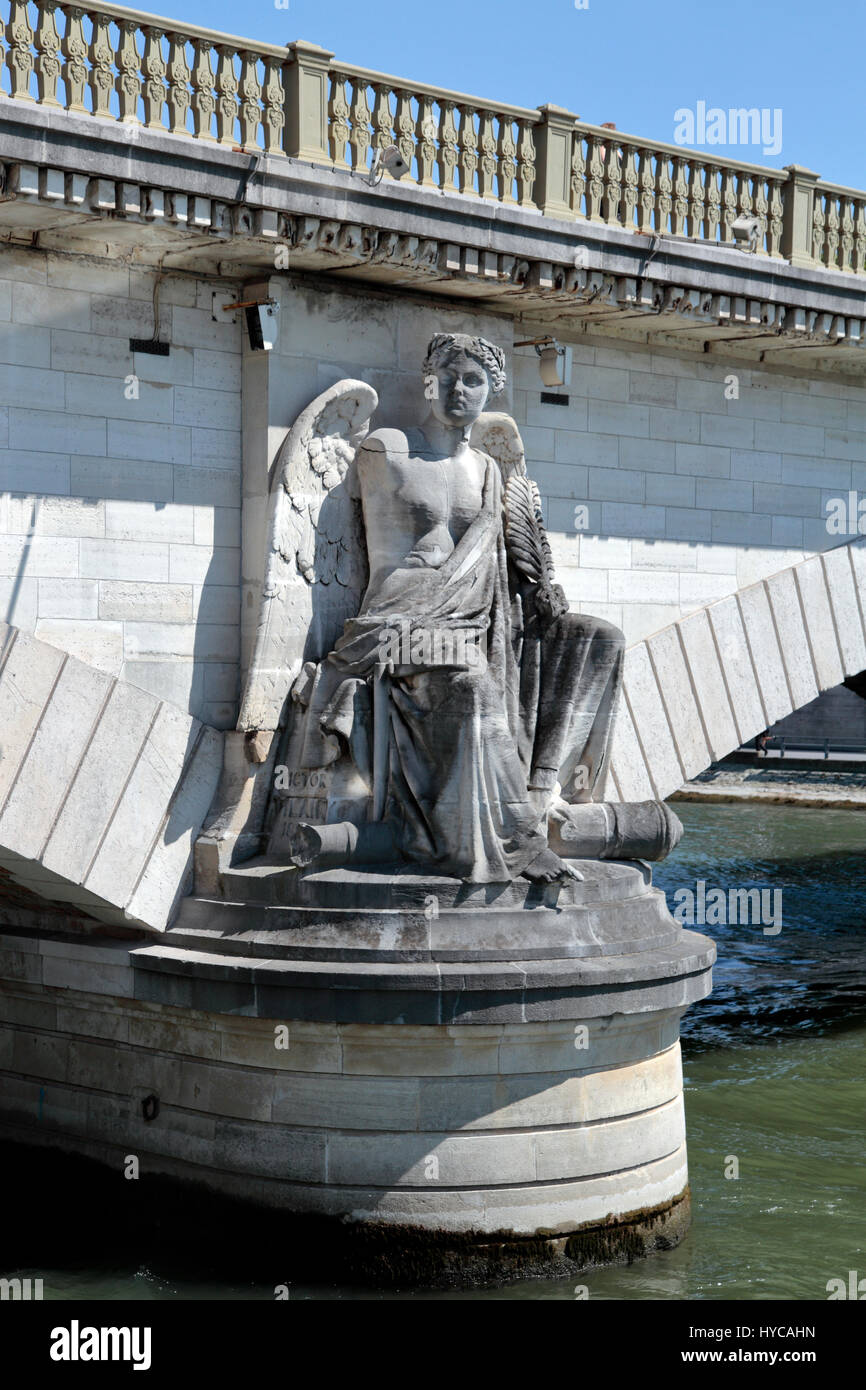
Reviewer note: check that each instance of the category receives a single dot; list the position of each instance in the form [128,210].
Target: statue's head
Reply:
[460,372]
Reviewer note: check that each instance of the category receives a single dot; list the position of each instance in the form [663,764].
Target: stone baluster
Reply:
[578,174]
[775,216]
[611,206]
[47,44]
[526,167]
[227,94]
[467,158]
[595,185]
[128,72]
[486,155]
[858,255]
[646,191]
[425,142]
[506,160]
[449,146]
[695,217]
[383,132]
[744,195]
[274,117]
[101,65]
[629,185]
[338,121]
[729,206]
[154,78]
[178,84]
[664,199]
[251,100]
[712,203]
[74,49]
[19,57]
[404,127]
[830,250]
[203,99]
[760,209]
[846,234]
[359,138]
[680,205]
[818,227]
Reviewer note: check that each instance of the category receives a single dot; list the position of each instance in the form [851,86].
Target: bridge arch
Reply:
[701,687]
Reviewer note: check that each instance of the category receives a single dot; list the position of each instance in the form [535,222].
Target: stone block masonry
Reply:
[695,477]
[120,475]
[120,514]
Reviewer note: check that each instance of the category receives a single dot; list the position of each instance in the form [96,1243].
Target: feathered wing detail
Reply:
[528,546]
[497,434]
[316,564]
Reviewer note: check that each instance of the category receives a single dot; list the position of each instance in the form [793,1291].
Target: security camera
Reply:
[746,231]
[554,364]
[262,325]
[391,159]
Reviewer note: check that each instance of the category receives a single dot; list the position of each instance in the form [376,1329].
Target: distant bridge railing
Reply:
[786,744]
[129,66]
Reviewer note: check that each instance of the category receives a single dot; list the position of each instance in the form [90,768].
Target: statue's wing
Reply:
[316,565]
[497,434]
[528,546]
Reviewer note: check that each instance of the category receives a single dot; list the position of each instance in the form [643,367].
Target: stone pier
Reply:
[432,1110]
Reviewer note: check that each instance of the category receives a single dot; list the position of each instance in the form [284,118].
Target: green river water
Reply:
[774,1075]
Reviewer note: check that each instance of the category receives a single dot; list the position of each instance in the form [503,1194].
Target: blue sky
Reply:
[619,60]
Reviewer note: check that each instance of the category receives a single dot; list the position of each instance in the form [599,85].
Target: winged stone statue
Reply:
[419,692]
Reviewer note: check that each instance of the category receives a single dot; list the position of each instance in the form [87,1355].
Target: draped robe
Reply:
[469,739]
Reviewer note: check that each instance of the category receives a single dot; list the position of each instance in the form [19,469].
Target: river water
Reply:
[774,1078]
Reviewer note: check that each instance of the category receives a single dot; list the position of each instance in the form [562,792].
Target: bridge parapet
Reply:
[126,65]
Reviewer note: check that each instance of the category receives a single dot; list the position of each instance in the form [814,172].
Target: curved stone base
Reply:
[459,1093]
[396,1256]
[173,1222]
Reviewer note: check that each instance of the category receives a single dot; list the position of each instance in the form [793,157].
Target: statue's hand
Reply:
[550,601]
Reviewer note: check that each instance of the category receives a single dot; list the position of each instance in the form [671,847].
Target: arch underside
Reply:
[700,688]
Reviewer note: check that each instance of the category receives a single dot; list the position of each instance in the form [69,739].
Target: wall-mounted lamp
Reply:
[262,322]
[554,360]
[746,231]
[391,159]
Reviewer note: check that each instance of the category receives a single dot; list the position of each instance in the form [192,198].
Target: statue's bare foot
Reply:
[547,867]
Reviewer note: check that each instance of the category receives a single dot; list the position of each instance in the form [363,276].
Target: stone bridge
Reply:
[716,406]
[157,180]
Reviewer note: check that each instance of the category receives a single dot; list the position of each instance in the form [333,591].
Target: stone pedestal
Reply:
[399,1103]
[468,1112]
